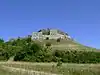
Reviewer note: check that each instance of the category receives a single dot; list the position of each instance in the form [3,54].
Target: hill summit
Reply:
[50,34]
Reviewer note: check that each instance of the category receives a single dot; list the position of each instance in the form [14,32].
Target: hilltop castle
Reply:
[49,33]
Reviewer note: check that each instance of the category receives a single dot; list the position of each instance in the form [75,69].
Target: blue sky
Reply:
[80,18]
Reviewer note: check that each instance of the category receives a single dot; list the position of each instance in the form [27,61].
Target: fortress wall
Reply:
[53,35]
[40,36]
[34,35]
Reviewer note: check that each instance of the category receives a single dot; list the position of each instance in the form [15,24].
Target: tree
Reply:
[1,40]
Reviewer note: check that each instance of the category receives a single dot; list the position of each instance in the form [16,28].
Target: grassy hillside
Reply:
[65,45]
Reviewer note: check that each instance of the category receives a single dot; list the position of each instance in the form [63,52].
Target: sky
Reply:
[79,18]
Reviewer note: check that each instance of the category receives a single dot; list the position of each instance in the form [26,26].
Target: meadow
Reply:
[27,68]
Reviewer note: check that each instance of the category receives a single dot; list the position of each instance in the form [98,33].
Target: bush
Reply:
[78,56]
[4,55]
[58,40]
[59,63]
[46,55]
[48,44]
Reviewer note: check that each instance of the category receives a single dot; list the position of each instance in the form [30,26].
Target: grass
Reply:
[66,45]
[5,72]
[65,69]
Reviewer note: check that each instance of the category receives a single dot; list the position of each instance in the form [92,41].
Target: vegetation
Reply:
[48,44]
[77,56]
[58,40]
[24,49]
[64,69]
[27,50]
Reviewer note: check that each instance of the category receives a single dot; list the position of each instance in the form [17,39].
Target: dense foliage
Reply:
[24,49]
[77,56]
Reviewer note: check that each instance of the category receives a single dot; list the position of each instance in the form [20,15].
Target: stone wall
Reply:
[53,35]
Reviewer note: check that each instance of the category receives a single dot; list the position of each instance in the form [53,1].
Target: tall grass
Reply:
[64,69]
[11,70]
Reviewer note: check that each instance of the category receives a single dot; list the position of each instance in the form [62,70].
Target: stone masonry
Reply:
[54,34]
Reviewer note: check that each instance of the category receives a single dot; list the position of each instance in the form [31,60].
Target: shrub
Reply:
[59,63]
[48,44]
[78,56]
[58,40]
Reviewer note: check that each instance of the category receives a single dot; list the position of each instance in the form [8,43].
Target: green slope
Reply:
[66,45]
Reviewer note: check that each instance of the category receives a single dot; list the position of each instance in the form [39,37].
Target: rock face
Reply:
[49,33]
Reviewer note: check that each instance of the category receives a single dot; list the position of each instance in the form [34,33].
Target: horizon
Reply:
[80,19]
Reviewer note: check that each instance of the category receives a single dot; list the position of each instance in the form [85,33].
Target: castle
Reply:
[49,33]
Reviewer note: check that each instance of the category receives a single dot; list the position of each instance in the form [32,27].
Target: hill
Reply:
[44,48]
[59,40]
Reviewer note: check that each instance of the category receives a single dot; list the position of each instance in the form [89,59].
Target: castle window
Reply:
[47,38]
